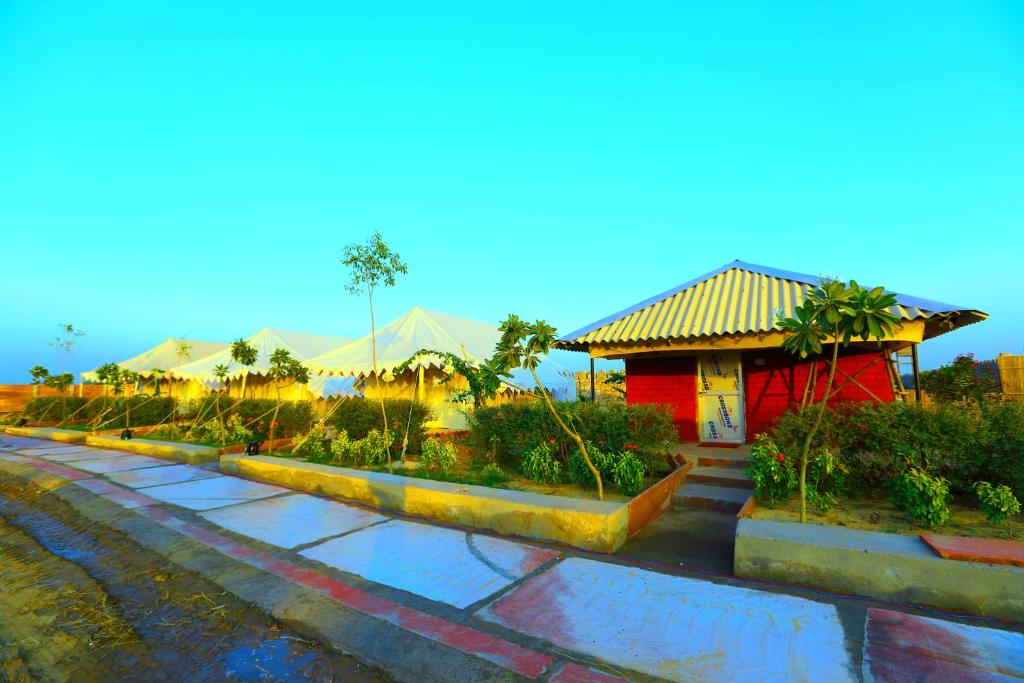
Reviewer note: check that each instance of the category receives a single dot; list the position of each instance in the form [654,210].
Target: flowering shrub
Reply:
[539,465]
[437,455]
[997,502]
[921,496]
[628,473]
[773,473]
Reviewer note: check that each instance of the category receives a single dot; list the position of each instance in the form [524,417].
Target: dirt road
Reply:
[84,603]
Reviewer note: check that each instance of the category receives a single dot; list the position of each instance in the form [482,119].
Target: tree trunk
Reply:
[805,454]
[376,377]
[277,407]
[572,435]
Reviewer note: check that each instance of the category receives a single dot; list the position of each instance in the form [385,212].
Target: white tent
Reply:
[422,329]
[301,346]
[163,356]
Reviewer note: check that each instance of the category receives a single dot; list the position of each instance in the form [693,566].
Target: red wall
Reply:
[671,380]
[770,388]
[778,384]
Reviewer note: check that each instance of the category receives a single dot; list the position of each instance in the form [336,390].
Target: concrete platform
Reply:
[874,564]
[215,492]
[677,628]
[51,433]
[116,464]
[444,565]
[187,453]
[291,521]
[158,476]
[902,647]
[720,476]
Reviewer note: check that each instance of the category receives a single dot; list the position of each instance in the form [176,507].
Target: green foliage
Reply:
[484,380]
[438,455]
[145,410]
[773,473]
[492,475]
[341,447]
[578,472]
[373,449]
[233,431]
[539,465]
[244,353]
[293,417]
[39,374]
[963,379]
[962,442]
[628,473]
[358,416]
[283,366]
[826,481]
[60,382]
[317,445]
[372,264]
[923,497]
[997,502]
[508,430]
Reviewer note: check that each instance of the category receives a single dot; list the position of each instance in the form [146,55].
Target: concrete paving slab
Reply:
[902,647]
[105,465]
[49,450]
[445,565]
[11,443]
[158,476]
[677,628]
[291,521]
[85,454]
[206,494]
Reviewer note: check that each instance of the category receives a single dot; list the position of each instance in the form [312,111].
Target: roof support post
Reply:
[917,373]
[593,389]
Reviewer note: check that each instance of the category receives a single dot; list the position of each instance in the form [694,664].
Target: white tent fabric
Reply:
[301,347]
[163,356]
[422,329]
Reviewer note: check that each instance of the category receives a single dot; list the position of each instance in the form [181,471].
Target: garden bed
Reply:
[879,514]
[584,522]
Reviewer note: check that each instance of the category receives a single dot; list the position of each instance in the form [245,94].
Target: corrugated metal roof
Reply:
[737,298]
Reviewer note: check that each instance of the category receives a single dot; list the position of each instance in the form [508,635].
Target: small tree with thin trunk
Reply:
[220,371]
[65,343]
[245,354]
[373,265]
[836,311]
[39,375]
[521,345]
[61,383]
[283,367]
[484,380]
[127,377]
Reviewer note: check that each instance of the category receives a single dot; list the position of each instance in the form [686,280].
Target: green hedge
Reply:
[963,442]
[294,417]
[358,416]
[145,410]
[510,430]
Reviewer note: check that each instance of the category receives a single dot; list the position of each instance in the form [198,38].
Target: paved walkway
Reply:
[540,613]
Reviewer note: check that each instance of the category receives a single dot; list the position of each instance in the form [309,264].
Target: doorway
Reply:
[720,397]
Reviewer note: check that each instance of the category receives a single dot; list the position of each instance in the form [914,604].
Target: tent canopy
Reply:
[422,329]
[163,356]
[301,346]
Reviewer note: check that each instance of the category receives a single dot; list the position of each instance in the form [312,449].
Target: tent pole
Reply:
[917,373]
[593,391]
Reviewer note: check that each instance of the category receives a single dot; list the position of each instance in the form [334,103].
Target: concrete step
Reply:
[723,458]
[720,476]
[720,498]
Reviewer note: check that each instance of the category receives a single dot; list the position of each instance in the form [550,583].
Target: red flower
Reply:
[273,424]
[551,441]
[630,446]
[248,419]
[781,458]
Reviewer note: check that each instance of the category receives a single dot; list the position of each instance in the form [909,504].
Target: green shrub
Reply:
[628,474]
[826,481]
[923,497]
[359,416]
[997,502]
[509,430]
[773,473]
[539,465]
[293,417]
[341,447]
[106,413]
[372,449]
[438,455]
[491,475]
[316,446]
[578,472]
[1005,445]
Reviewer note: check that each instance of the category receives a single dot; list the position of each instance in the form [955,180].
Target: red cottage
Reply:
[710,349]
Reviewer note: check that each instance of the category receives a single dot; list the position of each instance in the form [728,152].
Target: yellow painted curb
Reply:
[52,433]
[186,453]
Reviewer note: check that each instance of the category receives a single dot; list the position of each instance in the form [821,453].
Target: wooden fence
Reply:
[1011,375]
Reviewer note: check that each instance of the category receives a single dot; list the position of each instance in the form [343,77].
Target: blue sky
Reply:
[195,168]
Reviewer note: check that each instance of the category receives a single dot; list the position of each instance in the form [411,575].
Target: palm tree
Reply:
[837,311]
[245,354]
[521,345]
